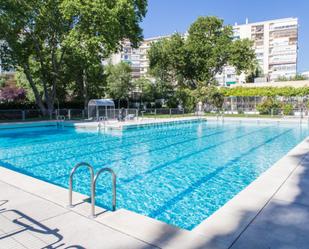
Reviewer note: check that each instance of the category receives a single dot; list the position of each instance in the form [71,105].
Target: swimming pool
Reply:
[179,173]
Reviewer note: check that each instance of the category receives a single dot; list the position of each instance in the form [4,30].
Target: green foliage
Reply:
[156,91]
[147,89]
[167,58]
[253,73]
[32,33]
[45,38]
[22,82]
[264,91]
[194,61]
[287,109]
[105,22]
[185,98]
[294,78]
[210,95]
[82,79]
[242,56]
[269,106]
[119,81]
[217,99]
[2,81]
[208,45]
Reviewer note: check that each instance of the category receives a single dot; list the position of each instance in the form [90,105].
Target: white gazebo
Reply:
[96,105]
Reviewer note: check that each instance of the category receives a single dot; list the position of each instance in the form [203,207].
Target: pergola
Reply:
[94,106]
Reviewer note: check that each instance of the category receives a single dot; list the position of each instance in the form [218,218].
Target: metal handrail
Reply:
[114,185]
[61,117]
[92,180]
[100,120]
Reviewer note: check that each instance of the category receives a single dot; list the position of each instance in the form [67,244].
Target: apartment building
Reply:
[305,74]
[136,57]
[275,45]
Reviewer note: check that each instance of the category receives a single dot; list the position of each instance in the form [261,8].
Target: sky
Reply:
[167,16]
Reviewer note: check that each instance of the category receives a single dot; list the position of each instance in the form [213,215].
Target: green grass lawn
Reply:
[168,115]
[245,115]
[211,115]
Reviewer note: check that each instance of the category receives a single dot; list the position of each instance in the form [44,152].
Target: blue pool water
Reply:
[179,174]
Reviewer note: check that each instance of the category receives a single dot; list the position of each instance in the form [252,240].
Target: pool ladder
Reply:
[60,121]
[102,120]
[93,182]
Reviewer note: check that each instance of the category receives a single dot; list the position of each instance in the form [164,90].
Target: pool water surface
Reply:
[179,174]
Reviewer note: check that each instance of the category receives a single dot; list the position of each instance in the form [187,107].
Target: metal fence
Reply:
[236,108]
[81,114]
[21,115]
[158,112]
[249,106]
[246,112]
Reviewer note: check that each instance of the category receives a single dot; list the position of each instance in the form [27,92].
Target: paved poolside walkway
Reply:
[28,221]
[273,212]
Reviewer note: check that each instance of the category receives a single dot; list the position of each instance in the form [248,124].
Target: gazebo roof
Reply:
[101,102]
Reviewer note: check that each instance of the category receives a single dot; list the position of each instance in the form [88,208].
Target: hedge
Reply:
[29,105]
[264,91]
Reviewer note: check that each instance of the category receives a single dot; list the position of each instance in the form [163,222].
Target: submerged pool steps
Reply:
[93,181]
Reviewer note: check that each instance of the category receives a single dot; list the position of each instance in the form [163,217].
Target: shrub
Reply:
[269,106]
[241,111]
[287,109]
[264,91]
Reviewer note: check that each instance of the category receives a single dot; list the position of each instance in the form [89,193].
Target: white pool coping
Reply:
[220,230]
[142,122]
[13,125]
[131,124]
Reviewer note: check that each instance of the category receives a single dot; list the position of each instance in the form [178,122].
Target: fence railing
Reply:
[114,114]
[82,114]
[22,115]
[295,112]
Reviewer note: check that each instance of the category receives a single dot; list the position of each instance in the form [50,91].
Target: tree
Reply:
[10,94]
[210,95]
[146,89]
[208,45]
[243,57]
[32,32]
[83,82]
[185,98]
[22,82]
[38,35]
[119,81]
[255,72]
[99,26]
[167,59]
[194,61]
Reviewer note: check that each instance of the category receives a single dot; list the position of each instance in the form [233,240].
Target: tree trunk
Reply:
[85,89]
[50,106]
[38,99]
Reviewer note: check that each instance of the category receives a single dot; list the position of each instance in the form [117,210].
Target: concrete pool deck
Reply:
[142,122]
[272,212]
